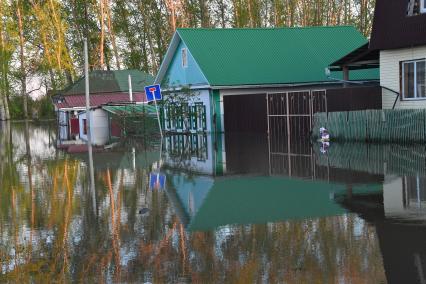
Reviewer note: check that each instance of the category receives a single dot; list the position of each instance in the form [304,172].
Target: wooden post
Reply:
[345,71]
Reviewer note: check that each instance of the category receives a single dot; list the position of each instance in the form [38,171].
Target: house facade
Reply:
[243,79]
[399,33]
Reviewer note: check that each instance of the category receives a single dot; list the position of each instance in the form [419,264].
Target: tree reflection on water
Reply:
[50,231]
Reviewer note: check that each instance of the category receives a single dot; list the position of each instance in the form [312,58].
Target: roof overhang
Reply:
[292,85]
[361,58]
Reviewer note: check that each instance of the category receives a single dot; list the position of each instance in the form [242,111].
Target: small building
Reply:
[398,46]
[112,121]
[257,79]
[105,87]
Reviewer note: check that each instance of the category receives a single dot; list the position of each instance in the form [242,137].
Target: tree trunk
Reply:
[23,74]
[112,35]
[101,45]
[2,111]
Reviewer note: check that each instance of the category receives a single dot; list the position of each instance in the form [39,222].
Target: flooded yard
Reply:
[234,208]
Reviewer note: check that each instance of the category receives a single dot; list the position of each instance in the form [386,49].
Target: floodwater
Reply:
[209,209]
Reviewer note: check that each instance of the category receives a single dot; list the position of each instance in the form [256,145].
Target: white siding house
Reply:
[391,76]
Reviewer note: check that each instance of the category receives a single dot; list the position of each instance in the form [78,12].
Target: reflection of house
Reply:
[105,87]
[405,197]
[205,203]
[193,152]
[111,121]
[232,71]
[401,242]
[399,32]
[398,43]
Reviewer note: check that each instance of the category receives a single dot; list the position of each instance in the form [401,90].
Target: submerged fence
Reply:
[374,158]
[373,125]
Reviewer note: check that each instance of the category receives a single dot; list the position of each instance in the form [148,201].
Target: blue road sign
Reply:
[153,93]
[157,181]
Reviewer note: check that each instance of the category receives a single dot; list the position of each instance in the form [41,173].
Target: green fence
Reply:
[373,125]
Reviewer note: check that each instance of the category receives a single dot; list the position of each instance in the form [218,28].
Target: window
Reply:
[414,79]
[416,7]
[184,58]
[84,126]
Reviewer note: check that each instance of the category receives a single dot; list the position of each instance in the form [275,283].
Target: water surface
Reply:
[232,208]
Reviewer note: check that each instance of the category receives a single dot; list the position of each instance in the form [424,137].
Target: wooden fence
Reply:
[406,126]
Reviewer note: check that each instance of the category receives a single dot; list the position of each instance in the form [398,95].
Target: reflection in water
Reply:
[228,212]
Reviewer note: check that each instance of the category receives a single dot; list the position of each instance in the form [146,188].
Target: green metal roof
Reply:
[269,55]
[130,109]
[102,81]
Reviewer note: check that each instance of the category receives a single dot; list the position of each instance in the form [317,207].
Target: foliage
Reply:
[44,38]
[176,101]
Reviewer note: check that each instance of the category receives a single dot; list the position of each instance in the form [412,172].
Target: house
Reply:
[399,33]
[111,121]
[398,46]
[254,79]
[105,87]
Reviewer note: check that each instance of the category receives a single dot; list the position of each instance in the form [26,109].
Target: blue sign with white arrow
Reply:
[153,93]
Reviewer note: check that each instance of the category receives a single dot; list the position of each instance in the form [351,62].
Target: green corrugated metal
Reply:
[102,81]
[138,109]
[374,125]
[270,55]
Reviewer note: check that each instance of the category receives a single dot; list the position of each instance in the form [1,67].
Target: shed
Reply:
[112,121]
[105,87]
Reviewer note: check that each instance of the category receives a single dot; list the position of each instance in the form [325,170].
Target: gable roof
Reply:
[102,81]
[393,28]
[229,57]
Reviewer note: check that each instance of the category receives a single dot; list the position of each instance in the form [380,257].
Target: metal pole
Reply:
[130,88]
[86,80]
[89,134]
[158,118]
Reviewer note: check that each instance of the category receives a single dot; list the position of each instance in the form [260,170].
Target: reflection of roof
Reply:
[262,200]
[98,99]
[130,109]
[271,55]
[102,81]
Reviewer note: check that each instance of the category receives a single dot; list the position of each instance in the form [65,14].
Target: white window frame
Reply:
[422,6]
[184,55]
[403,63]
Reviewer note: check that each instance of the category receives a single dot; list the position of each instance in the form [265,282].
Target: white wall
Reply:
[389,76]
[99,126]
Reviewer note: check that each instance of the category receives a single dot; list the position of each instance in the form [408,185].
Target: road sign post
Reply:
[153,93]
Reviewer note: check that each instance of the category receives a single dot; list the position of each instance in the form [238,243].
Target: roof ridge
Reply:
[265,28]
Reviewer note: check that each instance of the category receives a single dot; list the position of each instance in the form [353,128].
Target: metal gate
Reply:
[289,117]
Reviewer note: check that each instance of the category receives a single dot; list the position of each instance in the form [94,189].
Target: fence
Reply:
[373,125]
[374,158]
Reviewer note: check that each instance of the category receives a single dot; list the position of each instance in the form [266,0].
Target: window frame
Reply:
[422,6]
[403,63]
[184,55]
